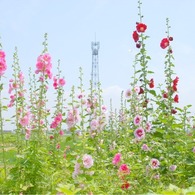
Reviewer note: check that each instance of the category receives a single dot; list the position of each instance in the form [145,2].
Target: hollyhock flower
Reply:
[58,146]
[175,81]
[61,132]
[165,95]
[24,121]
[139,133]
[128,93]
[148,127]
[94,124]
[141,91]
[157,176]
[76,170]
[135,36]
[172,167]
[123,169]
[193,150]
[154,163]
[137,120]
[151,83]
[61,82]
[80,96]
[170,38]
[87,161]
[164,43]
[176,99]
[116,159]
[173,111]
[145,147]
[126,185]
[104,109]
[141,27]
[3,65]
[44,65]
[137,89]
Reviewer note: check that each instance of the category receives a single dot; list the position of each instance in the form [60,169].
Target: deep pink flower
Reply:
[154,163]
[87,161]
[164,43]
[137,120]
[139,133]
[3,65]
[116,159]
[141,27]
[135,36]
[123,169]
[61,82]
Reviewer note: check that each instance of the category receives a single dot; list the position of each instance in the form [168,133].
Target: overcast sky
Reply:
[71,26]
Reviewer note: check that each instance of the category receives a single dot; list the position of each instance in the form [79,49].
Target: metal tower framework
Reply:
[95,67]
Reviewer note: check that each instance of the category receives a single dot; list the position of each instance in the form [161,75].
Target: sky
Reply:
[72,25]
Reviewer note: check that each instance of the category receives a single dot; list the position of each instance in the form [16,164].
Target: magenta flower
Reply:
[137,120]
[3,65]
[87,161]
[139,133]
[123,169]
[154,163]
[116,159]
[61,82]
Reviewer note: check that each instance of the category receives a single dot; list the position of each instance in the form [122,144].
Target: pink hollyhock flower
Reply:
[141,27]
[193,150]
[104,109]
[145,147]
[139,133]
[154,163]
[123,169]
[21,77]
[76,170]
[172,167]
[80,96]
[137,120]
[128,93]
[164,43]
[94,124]
[135,36]
[24,121]
[87,161]
[61,132]
[137,89]
[61,82]
[116,159]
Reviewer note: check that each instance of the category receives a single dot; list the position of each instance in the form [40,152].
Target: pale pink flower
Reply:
[72,118]
[145,147]
[104,109]
[154,163]
[139,133]
[76,170]
[61,82]
[137,120]
[172,167]
[24,121]
[193,150]
[157,176]
[137,89]
[124,169]
[87,161]
[94,124]
[116,159]
[128,93]
[21,77]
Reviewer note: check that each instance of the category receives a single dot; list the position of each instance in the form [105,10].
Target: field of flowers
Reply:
[82,146]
